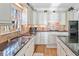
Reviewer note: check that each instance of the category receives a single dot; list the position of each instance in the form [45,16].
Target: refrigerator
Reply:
[73,31]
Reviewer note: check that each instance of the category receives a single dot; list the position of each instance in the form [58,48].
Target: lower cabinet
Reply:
[60,51]
[21,52]
[41,38]
[51,42]
[47,38]
[28,49]
[63,50]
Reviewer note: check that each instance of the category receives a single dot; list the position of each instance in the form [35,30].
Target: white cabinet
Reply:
[21,52]
[9,12]
[37,40]
[24,16]
[35,18]
[63,50]
[53,16]
[60,50]
[62,18]
[28,49]
[41,38]
[51,41]
[5,14]
[29,15]
[73,15]
[42,17]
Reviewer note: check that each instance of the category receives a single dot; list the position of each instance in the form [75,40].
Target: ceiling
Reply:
[59,6]
[43,5]
[40,5]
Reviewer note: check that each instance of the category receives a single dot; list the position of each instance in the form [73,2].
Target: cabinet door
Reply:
[63,18]
[43,37]
[21,52]
[5,13]
[60,50]
[37,40]
[51,40]
[30,49]
[65,50]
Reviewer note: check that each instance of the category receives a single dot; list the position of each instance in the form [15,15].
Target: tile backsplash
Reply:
[5,28]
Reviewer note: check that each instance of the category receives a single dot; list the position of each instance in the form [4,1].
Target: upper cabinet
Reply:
[29,15]
[62,18]
[35,18]
[42,18]
[24,16]
[73,15]
[9,12]
[5,13]
[53,16]
[10,17]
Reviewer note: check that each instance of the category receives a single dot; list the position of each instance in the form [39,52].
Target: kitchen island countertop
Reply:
[74,47]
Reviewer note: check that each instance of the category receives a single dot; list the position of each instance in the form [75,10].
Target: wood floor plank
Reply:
[45,51]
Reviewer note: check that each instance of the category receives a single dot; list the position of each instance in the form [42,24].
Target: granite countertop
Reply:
[74,47]
[14,46]
[50,31]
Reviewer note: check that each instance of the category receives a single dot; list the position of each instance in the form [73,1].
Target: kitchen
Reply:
[39,29]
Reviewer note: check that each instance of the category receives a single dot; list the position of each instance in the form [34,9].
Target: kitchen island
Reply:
[68,49]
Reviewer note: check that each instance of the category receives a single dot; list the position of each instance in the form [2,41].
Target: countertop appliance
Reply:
[33,30]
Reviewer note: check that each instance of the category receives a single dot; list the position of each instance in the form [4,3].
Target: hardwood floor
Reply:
[45,51]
